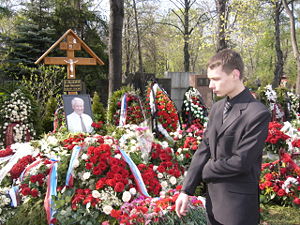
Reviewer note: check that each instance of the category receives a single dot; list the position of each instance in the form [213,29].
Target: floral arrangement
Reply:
[102,182]
[135,141]
[169,171]
[129,110]
[17,113]
[159,210]
[163,111]
[269,97]
[187,142]
[294,104]
[276,139]
[194,110]
[6,152]
[6,211]
[280,181]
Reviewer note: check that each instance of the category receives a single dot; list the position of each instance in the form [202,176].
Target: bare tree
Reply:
[183,13]
[115,45]
[290,12]
[138,38]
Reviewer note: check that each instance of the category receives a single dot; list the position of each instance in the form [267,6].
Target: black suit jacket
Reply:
[229,160]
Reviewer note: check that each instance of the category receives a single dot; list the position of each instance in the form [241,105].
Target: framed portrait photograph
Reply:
[78,112]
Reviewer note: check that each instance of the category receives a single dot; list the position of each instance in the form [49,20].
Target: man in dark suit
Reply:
[229,157]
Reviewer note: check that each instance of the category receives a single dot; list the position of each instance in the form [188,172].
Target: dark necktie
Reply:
[226,110]
[82,125]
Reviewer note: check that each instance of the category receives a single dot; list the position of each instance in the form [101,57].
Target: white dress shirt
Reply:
[74,122]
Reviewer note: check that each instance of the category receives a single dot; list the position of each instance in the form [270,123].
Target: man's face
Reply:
[221,83]
[78,107]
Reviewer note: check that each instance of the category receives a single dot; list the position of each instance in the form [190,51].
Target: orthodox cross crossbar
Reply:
[73,43]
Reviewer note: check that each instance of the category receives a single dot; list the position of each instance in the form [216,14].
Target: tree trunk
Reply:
[138,38]
[294,42]
[186,52]
[279,63]
[222,24]
[115,45]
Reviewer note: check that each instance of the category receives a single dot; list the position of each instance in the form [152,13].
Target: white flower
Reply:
[86,175]
[96,194]
[84,156]
[118,156]
[107,209]
[132,191]
[76,163]
[52,140]
[160,175]
[108,141]
[126,196]
[132,149]
[164,184]
[164,144]
[179,150]
[173,180]
[155,168]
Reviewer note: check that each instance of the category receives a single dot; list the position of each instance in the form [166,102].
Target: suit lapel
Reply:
[233,116]
[235,112]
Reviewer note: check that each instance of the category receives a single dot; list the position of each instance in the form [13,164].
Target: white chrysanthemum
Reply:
[118,156]
[164,184]
[86,175]
[173,180]
[126,196]
[155,168]
[107,209]
[96,194]
[160,175]
[84,156]
[76,163]
[132,191]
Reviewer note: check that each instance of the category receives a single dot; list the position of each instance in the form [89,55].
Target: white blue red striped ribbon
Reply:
[123,112]
[75,154]
[51,190]
[136,173]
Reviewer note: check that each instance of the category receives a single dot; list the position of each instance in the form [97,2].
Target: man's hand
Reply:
[182,204]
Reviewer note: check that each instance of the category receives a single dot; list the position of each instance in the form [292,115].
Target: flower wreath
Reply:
[129,110]
[16,112]
[164,114]
[194,110]
[271,100]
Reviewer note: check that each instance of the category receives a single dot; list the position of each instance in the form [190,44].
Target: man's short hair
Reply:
[76,99]
[229,60]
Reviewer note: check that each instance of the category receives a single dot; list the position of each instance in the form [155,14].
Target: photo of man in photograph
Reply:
[78,121]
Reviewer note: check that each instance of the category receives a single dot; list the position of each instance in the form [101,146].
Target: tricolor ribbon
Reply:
[13,193]
[28,168]
[136,174]
[123,112]
[75,154]
[51,190]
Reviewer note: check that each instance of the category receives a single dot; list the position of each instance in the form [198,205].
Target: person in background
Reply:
[78,121]
[229,157]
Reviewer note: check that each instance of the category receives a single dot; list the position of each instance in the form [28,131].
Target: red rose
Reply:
[25,191]
[281,192]
[119,187]
[100,183]
[34,192]
[296,201]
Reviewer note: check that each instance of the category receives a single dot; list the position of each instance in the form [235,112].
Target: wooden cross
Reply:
[73,43]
